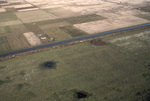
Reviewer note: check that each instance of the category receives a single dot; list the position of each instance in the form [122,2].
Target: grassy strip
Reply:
[84,18]
[74,32]
[4,17]
[4,45]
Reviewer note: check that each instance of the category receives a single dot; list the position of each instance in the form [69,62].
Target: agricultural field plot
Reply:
[4,45]
[57,34]
[83,19]
[144,16]
[32,38]
[74,32]
[54,25]
[34,16]
[18,29]
[6,17]
[17,41]
[145,9]
[112,23]
[14,36]
[62,13]
[4,29]
[104,73]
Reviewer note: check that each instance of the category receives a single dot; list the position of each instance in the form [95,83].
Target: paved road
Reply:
[72,40]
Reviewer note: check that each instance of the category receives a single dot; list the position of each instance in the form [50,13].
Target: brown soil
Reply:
[97,42]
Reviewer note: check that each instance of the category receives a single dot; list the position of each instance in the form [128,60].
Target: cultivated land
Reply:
[55,20]
[113,68]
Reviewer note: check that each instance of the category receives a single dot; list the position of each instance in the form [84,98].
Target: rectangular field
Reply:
[34,16]
[62,13]
[4,29]
[54,25]
[5,17]
[57,34]
[32,38]
[4,45]
[110,24]
[74,32]
[144,16]
[83,18]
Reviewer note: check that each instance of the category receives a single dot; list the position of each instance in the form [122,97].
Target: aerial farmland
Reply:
[74,50]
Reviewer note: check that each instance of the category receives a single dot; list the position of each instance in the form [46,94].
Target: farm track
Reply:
[24,51]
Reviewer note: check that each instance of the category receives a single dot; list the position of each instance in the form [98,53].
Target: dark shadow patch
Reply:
[144,95]
[97,42]
[146,76]
[68,95]
[5,81]
[22,73]
[25,8]
[21,86]
[49,64]
[81,94]
[2,67]
[2,82]
[31,94]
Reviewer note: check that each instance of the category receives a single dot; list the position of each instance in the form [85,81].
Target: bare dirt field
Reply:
[110,23]
[32,38]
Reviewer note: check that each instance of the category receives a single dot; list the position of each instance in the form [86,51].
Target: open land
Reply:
[117,70]
[55,20]
[111,68]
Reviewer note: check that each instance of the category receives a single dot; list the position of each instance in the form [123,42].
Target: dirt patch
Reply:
[97,42]
[32,38]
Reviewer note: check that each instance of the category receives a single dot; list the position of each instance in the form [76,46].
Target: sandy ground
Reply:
[32,38]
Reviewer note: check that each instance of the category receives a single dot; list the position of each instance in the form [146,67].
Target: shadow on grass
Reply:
[49,64]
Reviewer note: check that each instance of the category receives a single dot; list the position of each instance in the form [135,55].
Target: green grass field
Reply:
[146,9]
[57,34]
[143,16]
[4,45]
[105,73]
[7,17]
[74,32]
[83,19]
[4,29]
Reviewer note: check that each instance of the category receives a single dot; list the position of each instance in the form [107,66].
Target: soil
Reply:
[97,42]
